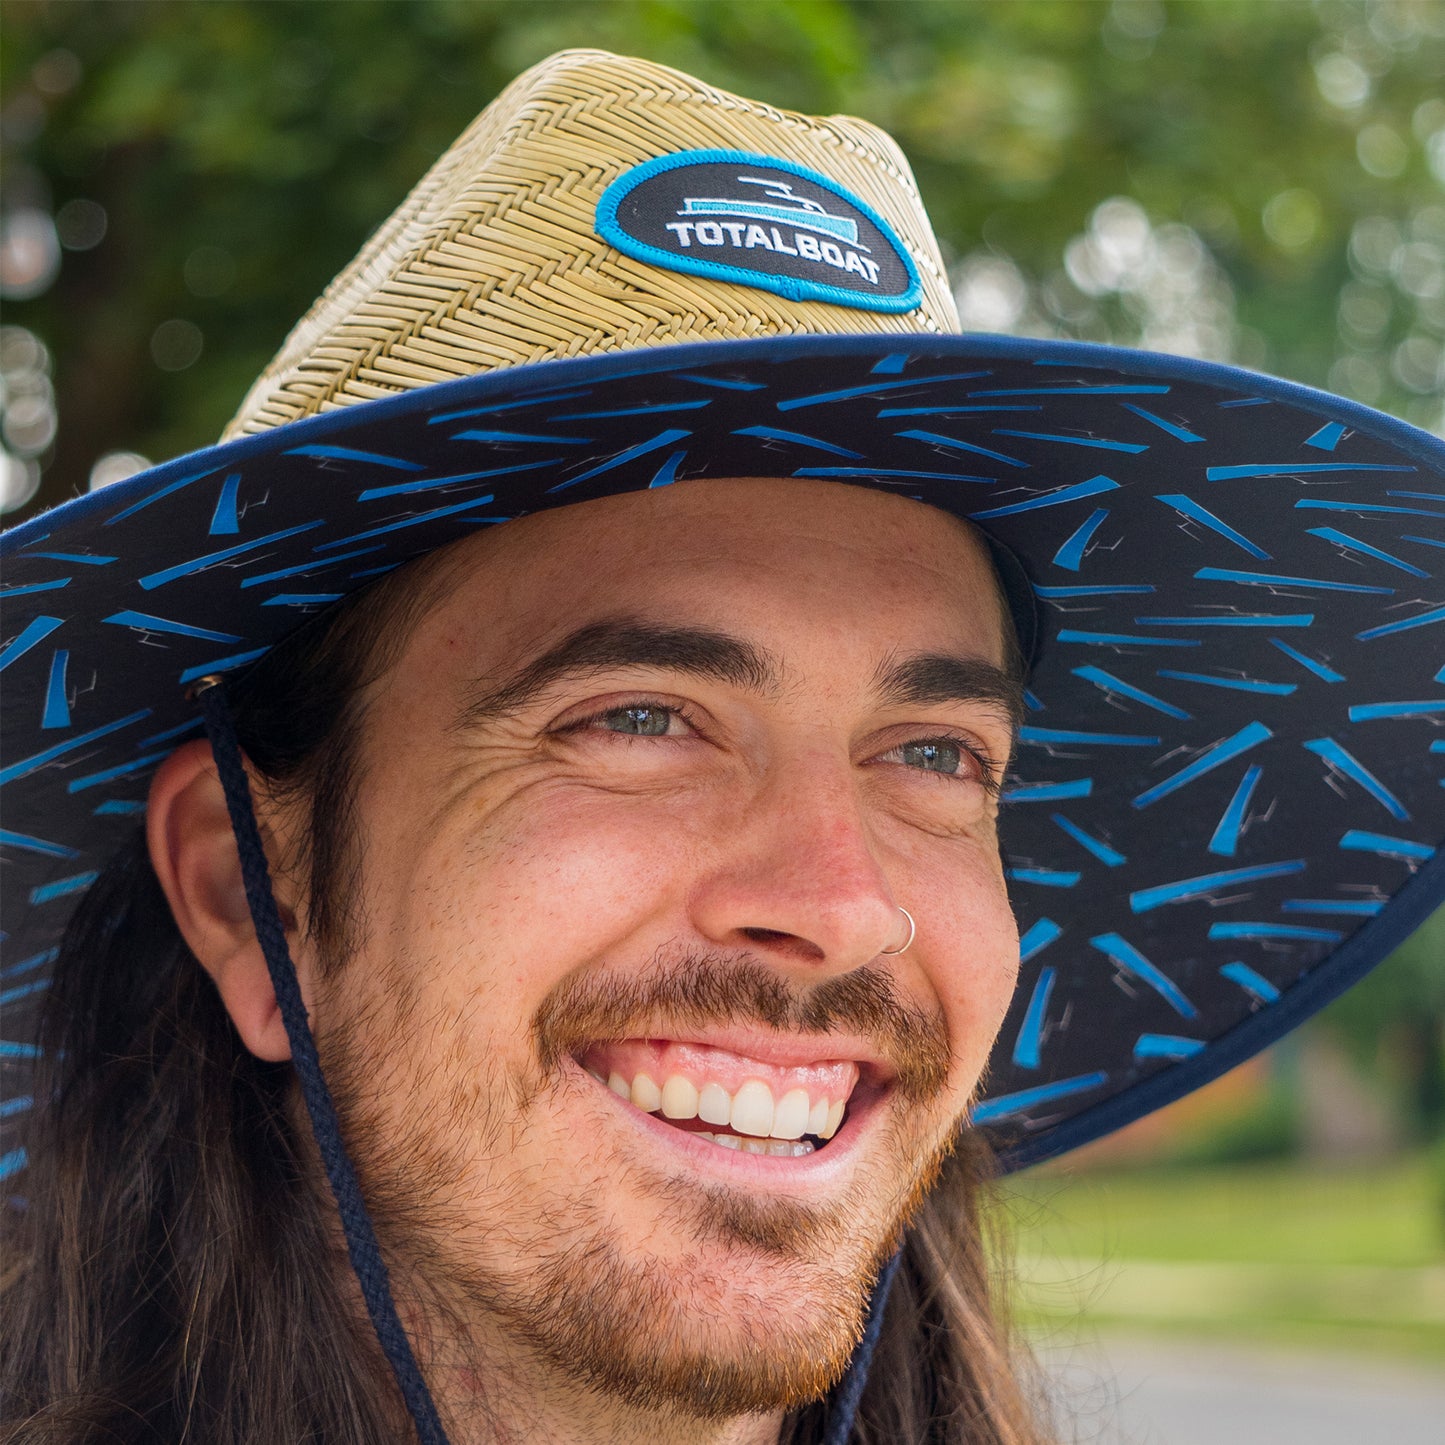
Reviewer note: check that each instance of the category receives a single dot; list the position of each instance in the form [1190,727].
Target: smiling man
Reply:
[638,799]
[576,968]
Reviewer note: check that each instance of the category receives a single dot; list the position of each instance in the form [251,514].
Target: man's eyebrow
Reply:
[936,677]
[599,646]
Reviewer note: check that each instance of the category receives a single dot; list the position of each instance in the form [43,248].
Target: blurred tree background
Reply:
[1261,183]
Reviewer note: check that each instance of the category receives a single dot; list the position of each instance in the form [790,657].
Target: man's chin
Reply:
[715,1333]
[732,1303]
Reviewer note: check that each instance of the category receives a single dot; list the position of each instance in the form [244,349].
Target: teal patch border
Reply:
[791,287]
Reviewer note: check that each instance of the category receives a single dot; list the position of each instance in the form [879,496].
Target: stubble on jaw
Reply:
[593,1298]
[655,1333]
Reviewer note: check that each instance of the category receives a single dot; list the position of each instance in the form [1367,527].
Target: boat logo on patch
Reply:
[759,221]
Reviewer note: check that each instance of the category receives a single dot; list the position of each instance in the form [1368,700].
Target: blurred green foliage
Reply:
[1393,1022]
[1289,157]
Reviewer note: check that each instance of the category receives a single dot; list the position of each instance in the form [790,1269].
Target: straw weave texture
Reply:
[493,260]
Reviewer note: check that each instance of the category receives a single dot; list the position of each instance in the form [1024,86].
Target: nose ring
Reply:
[907,942]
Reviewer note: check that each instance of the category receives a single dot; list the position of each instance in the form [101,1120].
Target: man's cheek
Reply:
[574,875]
[977,974]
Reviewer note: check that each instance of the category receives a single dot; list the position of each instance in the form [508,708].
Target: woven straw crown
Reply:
[494,260]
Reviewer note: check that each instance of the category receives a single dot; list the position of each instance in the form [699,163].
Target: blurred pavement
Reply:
[1120,1390]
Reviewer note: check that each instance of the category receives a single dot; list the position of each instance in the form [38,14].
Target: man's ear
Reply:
[193,852]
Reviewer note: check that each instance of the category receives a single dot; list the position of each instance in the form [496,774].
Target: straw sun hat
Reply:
[1227,804]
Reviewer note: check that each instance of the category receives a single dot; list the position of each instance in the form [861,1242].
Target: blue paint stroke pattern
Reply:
[1123,955]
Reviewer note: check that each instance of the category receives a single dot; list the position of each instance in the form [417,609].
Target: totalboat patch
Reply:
[759,221]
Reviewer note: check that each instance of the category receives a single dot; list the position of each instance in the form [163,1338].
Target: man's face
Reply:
[639,805]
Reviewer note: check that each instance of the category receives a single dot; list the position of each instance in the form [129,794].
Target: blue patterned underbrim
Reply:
[1230,796]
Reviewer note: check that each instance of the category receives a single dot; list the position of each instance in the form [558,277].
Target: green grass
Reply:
[1265,1213]
[1287,1252]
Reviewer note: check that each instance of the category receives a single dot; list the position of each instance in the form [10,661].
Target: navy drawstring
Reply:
[850,1389]
[361,1243]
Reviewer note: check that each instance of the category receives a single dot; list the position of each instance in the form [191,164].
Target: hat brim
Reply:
[1228,803]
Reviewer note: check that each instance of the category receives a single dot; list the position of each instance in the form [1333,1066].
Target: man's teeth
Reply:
[752,1111]
[779,1148]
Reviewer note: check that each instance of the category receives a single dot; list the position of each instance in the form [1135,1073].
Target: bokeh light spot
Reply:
[176,344]
[1292,219]
[116,467]
[57,72]
[29,253]
[209,271]
[1381,151]
[1343,82]
[81,224]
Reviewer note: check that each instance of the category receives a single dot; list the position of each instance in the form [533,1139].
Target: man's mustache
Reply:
[701,989]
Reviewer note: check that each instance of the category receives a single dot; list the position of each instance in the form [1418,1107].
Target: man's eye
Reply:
[933,755]
[948,758]
[643,721]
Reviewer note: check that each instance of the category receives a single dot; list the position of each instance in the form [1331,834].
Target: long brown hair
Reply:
[174,1273]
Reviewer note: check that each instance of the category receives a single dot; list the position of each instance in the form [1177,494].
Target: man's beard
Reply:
[658,1332]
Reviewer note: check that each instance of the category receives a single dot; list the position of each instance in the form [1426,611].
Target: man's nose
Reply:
[798,879]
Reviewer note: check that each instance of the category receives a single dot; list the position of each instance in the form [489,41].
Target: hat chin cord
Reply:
[361,1243]
[850,1387]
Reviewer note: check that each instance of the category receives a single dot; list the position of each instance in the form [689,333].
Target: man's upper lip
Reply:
[781,1050]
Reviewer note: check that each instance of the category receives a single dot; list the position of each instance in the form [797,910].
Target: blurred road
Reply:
[1129,1391]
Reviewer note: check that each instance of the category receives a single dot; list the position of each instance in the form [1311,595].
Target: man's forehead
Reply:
[739,505]
[750,557]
